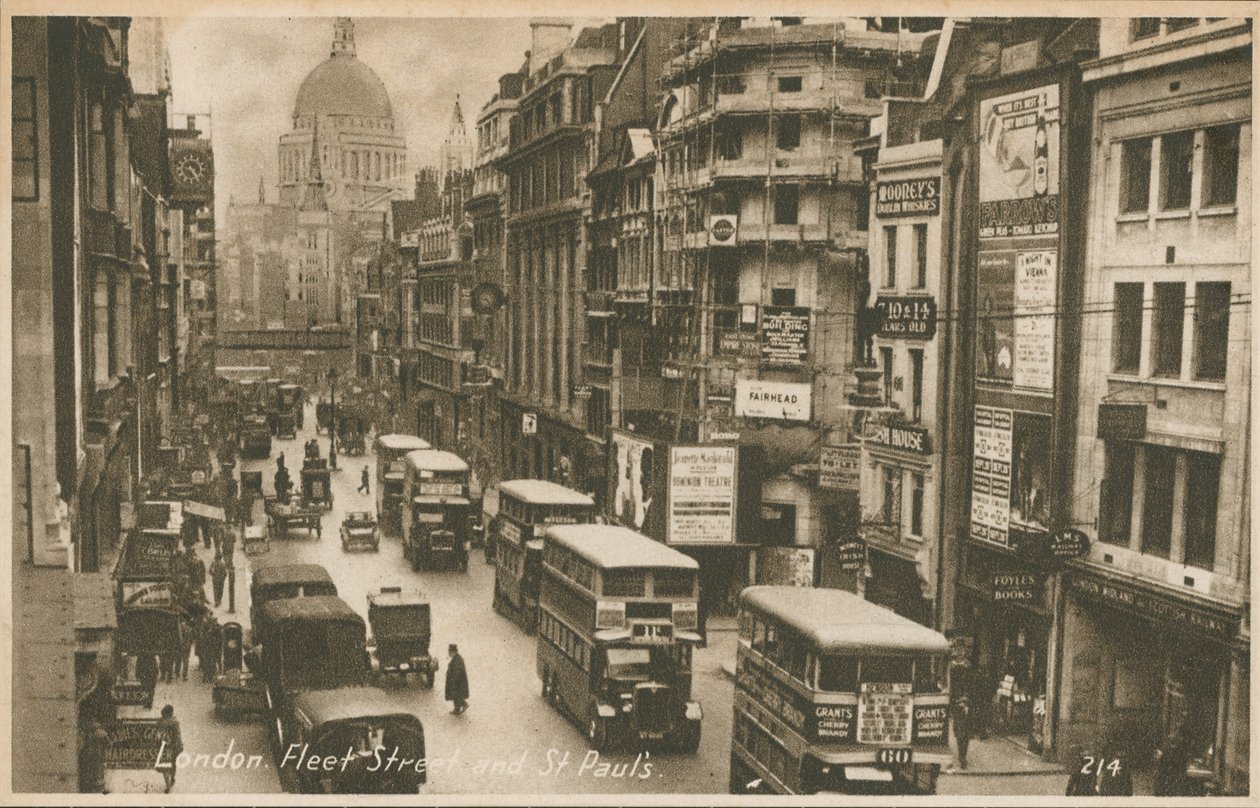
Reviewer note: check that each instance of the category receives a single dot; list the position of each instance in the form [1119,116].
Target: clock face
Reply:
[191,169]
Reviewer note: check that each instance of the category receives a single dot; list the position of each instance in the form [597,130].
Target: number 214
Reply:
[1101,766]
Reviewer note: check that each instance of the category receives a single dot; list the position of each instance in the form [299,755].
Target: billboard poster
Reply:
[1035,276]
[840,467]
[785,566]
[632,487]
[991,475]
[702,495]
[995,297]
[1030,475]
[1019,163]
[784,334]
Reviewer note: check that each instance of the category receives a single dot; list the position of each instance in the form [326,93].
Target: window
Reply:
[916,504]
[886,359]
[1176,167]
[890,257]
[838,674]
[1135,178]
[890,512]
[623,583]
[1211,330]
[916,384]
[1145,28]
[1180,23]
[1126,354]
[786,204]
[730,85]
[782,297]
[673,583]
[730,144]
[121,326]
[920,256]
[888,670]
[1170,304]
[25,141]
[1220,165]
[1115,505]
[788,132]
[1203,477]
[1158,501]
[102,336]
[99,160]
[789,84]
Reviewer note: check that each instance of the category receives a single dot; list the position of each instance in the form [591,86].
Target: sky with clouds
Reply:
[246,72]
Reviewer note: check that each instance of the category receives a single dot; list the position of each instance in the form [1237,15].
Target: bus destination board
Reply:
[885,713]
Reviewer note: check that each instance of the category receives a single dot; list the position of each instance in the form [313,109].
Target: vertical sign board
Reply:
[991,475]
[1017,263]
[135,743]
[784,335]
[630,484]
[840,467]
[885,713]
[702,495]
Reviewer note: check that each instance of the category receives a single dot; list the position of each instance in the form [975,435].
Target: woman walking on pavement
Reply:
[456,680]
[169,725]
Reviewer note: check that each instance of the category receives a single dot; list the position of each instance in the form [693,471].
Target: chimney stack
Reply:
[548,37]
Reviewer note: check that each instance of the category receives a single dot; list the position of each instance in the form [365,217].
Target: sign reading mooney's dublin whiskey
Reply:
[916,197]
[908,438]
[784,334]
[909,317]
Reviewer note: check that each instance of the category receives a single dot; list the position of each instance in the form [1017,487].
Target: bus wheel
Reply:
[597,734]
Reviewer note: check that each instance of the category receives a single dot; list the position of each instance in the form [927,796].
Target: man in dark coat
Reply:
[962,727]
[456,680]
[169,725]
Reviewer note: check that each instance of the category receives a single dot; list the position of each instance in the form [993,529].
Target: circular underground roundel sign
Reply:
[723,229]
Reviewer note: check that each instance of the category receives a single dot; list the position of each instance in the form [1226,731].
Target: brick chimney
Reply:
[548,37]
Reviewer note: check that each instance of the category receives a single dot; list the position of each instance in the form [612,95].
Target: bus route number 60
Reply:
[893,756]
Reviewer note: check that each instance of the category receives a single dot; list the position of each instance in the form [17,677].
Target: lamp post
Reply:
[332,425]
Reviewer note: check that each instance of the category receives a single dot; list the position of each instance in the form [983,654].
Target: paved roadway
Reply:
[509,740]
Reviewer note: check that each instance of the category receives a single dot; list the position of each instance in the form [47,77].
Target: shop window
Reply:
[886,361]
[1158,501]
[916,505]
[1126,355]
[1211,330]
[1135,177]
[1170,304]
[1203,476]
[25,141]
[1115,507]
[788,132]
[789,84]
[786,204]
[890,504]
[782,297]
[916,385]
[920,256]
[1176,168]
[890,257]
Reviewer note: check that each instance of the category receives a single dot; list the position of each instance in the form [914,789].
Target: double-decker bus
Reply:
[438,516]
[525,506]
[836,695]
[617,618]
[390,451]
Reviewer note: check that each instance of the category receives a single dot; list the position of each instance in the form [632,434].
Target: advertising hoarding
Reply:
[1019,163]
[632,487]
[785,401]
[702,494]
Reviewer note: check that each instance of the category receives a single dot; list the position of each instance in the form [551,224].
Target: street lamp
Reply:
[332,424]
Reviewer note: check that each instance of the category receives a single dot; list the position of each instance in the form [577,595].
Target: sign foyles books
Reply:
[702,493]
[723,229]
[784,401]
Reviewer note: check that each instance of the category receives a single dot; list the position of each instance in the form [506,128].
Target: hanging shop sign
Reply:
[784,334]
[840,467]
[906,317]
[915,197]
[851,555]
[722,230]
[907,438]
[784,401]
[1016,587]
[1069,543]
[529,423]
[1121,420]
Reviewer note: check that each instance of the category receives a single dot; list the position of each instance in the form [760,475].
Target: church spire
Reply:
[456,154]
[314,198]
[343,37]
